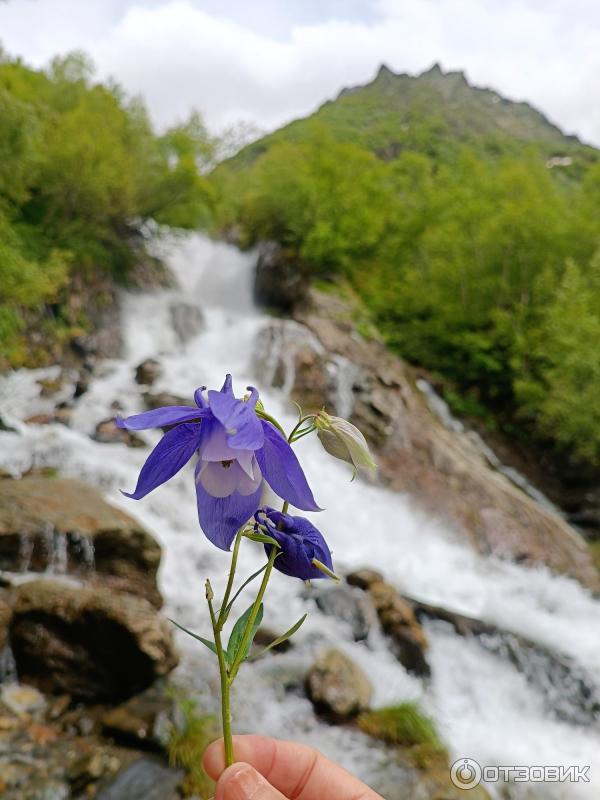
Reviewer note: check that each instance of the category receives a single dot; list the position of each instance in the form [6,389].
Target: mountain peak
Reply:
[385,71]
[434,69]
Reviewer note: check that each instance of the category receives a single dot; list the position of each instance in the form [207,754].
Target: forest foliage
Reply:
[475,250]
[81,174]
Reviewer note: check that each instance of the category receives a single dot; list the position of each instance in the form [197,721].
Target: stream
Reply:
[483,706]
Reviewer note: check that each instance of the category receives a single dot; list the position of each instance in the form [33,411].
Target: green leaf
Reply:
[262,537]
[237,634]
[205,642]
[283,638]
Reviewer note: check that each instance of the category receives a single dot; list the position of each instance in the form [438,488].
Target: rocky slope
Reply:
[323,360]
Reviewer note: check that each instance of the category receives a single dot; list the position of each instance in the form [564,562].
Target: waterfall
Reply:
[484,706]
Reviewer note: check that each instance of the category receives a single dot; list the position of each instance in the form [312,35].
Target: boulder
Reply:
[107,432]
[161,399]
[187,320]
[65,526]
[399,622]
[280,281]
[144,779]
[442,467]
[348,605]
[364,578]
[148,372]
[337,686]
[91,642]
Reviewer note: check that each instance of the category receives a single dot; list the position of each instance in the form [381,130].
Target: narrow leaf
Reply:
[283,638]
[262,537]
[205,642]
[237,634]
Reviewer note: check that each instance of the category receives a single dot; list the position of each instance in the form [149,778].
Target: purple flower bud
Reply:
[304,552]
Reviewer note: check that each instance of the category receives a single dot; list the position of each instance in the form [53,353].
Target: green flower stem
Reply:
[269,418]
[225,683]
[250,624]
[223,613]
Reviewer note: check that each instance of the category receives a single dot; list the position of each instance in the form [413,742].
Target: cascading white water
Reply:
[485,709]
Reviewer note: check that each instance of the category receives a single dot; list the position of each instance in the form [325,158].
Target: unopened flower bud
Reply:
[343,440]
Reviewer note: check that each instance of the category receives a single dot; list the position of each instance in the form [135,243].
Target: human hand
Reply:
[271,769]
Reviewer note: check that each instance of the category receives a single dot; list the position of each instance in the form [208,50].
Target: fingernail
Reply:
[243,784]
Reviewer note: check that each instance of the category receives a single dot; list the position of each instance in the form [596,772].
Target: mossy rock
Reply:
[404,725]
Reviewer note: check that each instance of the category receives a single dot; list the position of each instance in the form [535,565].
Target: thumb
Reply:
[242,782]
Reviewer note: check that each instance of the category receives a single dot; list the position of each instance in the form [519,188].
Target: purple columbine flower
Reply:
[301,544]
[237,452]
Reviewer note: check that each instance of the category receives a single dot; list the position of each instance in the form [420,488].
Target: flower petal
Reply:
[227,387]
[243,428]
[161,417]
[172,452]
[222,517]
[282,470]
[214,443]
[300,542]
[217,480]
[199,398]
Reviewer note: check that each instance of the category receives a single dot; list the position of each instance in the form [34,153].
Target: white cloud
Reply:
[180,56]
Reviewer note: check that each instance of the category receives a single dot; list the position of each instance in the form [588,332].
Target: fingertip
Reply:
[241,781]
[213,759]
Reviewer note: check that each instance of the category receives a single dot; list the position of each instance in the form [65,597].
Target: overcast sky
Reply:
[266,61]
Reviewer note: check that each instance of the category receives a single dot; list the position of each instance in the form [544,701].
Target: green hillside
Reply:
[81,174]
[470,226]
[435,113]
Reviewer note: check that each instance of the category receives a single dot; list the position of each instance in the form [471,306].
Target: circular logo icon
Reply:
[465,773]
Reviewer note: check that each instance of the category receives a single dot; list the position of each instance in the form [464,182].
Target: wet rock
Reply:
[144,720]
[285,353]
[40,419]
[148,372]
[398,620]
[280,282]
[145,779]
[5,427]
[337,686]
[568,689]
[442,468]
[90,768]
[91,642]
[187,320]
[50,386]
[349,605]
[63,414]
[65,526]
[5,617]
[364,578]
[153,401]
[82,384]
[107,432]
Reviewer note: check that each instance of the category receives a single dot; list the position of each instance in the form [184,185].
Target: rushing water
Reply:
[484,708]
